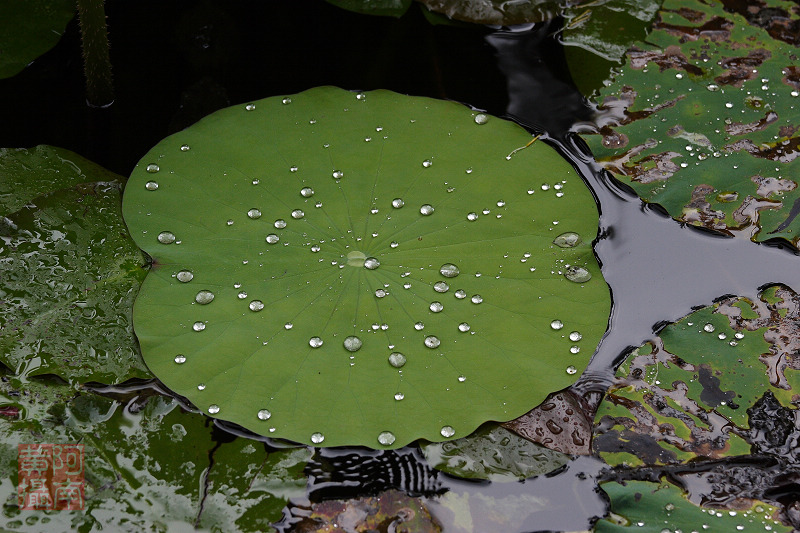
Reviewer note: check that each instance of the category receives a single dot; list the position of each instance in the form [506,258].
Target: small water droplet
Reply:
[204,297]
[469,170]
[709,328]
[315,248]
[254,213]
[463,327]
[571,370]
[399,396]
[577,274]
[272,238]
[436,307]
[151,186]
[201,386]
[185,148]
[306,192]
[180,359]
[447,431]
[256,305]
[397,359]
[426,209]
[722,336]
[441,286]
[477,299]
[317,438]
[352,343]
[298,213]
[198,326]
[419,326]
[386,438]
[184,276]
[449,270]
[397,203]
[264,414]
[481,119]
[427,163]
[229,222]
[288,326]
[394,244]
[569,239]
[213,409]
[575,336]
[152,168]
[406,285]
[166,237]
[575,349]
[242,295]
[472,217]
[315,342]
[461,294]
[501,203]
[361,96]
[739,335]
[250,107]
[338,174]
[432,341]
[556,324]
[280,224]
[286,101]
[371,263]
[380,293]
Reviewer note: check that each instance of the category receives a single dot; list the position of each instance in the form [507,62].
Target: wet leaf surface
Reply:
[149,464]
[497,11]
[702,119]
[493,453]
[29,29]
[385,8]
[70,274]
[362,268]
[650,507]
[690,393]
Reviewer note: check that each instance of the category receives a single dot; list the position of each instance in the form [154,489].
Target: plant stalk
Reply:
[96,62]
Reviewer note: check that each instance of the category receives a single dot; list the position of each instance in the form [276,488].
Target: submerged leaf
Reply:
[500,12]
[703,120]
[70,274]
[339,268]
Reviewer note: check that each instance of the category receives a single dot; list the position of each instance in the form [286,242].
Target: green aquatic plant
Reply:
[363,268]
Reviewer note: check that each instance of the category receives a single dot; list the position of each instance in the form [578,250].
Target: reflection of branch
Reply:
[96,63]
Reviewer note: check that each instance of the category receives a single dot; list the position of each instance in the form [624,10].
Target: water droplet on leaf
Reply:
[317,438]
[397,203]
[432,341]
[577,274]
[204,297]
[449,270]
[397,359]
[151,186]
[272,238]
[386,438]
[152,168]
[180,359]
[441,286]
[567,240]
[184,276]
[306,192]
[447,431]
[436,307]
[371,263]
[264,414]
[254,213]
[463,327]
[352,343]
[166,237]
[481,118]
[556,324]
[315,342]
[198,326]
[213,409]
[426,210]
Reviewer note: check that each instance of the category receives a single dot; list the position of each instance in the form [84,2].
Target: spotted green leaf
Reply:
[339,268]
[70,271]
[703,120]
[647,507]
[28,29]
[688,395]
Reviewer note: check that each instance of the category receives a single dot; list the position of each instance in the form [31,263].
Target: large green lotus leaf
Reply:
[70,273]
[148,463]
[648,507]
[703,120]
[494,453]
[687,395]
[28,29]
[273,207]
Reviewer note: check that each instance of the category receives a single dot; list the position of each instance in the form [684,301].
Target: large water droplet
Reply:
[569,239]
[477,299]
[397,203]
[386,438]
[242,295]
[288,326]
[449,270]
[447,431]
[204,297]
[317,438]
[380,293]
[198,326]
[397,359]
[575,336]
[272,238]
[254,213]
[166,237]
[256,305]
[180,359]
[426,209]
[315,248]
[709,328]
[463,327]
[201,386]
[427,163]
[306,192]
[352,343]
[213,409]
[577,274]
[370,263]
[315,342]
[151,186]
[280,224]
[481,119]
[399,396]
[152,168]
[556,324]
[472,217]
[264,414]
[436,307]
[441,286]
[298,213]
[338,174]
[432,341]
[461,294]
[184,276]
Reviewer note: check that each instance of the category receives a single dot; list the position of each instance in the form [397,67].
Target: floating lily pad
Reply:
[493,453]
[70,274]
[703,119]
[30,28]
[338,268]
[647,507]
[689,395]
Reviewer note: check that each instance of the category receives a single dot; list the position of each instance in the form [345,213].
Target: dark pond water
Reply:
[175,62]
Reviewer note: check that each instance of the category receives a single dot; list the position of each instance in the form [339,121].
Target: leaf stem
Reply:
[96,62]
